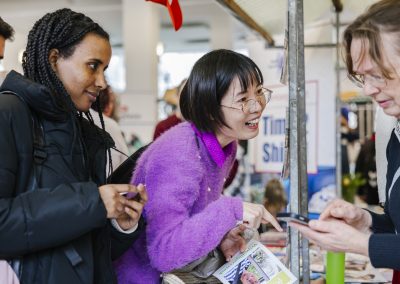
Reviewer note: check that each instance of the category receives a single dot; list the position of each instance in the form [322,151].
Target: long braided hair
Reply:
[63,30]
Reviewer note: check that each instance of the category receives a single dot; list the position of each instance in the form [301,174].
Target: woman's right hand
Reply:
[335,235]
[255,214]
[233,242]
[113,201]
[354,216]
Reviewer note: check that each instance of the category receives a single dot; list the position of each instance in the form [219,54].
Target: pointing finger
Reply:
[267,217]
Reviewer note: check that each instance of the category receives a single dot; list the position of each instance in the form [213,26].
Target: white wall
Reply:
[319,67]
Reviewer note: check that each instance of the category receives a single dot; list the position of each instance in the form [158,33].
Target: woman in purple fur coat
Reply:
[184,171]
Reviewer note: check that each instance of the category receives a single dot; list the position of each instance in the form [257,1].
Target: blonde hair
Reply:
[382,17]
[275,193]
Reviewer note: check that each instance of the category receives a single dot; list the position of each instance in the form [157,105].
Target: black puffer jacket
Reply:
[59,229]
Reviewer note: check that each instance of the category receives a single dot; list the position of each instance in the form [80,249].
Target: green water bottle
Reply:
[335,267]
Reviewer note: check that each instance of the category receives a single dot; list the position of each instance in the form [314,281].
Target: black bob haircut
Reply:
[209,81]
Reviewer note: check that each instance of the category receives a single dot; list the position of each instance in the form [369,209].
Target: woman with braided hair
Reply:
[59,220]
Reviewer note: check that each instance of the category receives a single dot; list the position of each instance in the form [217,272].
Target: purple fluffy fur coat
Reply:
[186,214]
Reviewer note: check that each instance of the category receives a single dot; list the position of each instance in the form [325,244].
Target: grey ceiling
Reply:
[197,16]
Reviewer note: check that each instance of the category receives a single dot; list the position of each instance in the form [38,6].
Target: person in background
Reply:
[185,168]
[344,131]
[111,108]
[106,102]
[372,44]
[366,166]
[176,117]
[275,197]
[349,143]
[6,33]
[59,221]
[275,201]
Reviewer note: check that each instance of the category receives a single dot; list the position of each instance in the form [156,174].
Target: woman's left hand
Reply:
[133,210]
[335,235]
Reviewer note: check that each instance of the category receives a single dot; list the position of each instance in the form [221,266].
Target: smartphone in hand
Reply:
[131,196]
[292,217]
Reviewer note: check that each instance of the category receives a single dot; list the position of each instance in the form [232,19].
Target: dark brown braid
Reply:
[100,112]
[63,30]
[90,118]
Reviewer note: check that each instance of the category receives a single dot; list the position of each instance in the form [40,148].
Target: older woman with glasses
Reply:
[372,44]
[185,168]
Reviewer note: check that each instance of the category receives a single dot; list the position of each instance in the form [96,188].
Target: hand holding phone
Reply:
[292,217]
[131,196]
[134,201]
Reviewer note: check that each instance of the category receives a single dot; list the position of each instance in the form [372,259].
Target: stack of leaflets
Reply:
[256,265]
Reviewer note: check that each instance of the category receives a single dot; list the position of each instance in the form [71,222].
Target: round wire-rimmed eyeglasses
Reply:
[374,80]
[263,97]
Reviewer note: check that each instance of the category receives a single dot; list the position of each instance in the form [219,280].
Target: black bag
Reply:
[123,174]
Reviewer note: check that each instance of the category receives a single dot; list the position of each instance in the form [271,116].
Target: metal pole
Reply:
[338,112]
[297,139]
[316,45]
[301,97]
